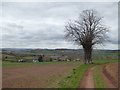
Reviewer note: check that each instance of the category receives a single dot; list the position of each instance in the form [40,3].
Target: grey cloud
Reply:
[13,25]
[114,41]
[47,36]
[38,24]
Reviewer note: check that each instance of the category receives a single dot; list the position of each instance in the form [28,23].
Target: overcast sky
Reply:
[41,24]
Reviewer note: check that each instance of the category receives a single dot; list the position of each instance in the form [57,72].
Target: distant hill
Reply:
[71,53]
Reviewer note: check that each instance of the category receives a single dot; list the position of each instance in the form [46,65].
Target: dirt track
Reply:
[87,81]
[109,74]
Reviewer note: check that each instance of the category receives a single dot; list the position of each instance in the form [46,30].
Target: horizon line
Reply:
[58,48]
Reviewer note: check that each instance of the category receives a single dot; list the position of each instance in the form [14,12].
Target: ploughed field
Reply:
[111,72]
[101,74]
[35,75]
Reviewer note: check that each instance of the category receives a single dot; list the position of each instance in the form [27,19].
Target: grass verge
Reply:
[73,80]
[99,82]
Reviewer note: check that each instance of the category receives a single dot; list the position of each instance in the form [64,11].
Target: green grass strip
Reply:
[99,82]
[26,64]
[73,80]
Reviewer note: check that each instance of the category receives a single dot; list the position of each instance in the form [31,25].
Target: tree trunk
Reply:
[87,55]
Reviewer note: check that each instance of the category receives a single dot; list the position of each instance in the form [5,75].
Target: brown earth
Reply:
[87,81]
[41,76]
[0,71]
[45,75]
[0,78]
[110,72]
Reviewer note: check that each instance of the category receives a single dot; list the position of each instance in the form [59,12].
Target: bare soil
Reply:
[0,71]
[87,81]
[110,72]
[0,77]
[41,76]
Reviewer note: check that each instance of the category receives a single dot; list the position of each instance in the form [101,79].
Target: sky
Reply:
[42,24]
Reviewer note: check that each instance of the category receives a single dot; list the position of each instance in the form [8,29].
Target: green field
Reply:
[26,64]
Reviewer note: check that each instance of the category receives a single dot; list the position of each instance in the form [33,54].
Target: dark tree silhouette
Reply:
[87,31]
[40,58]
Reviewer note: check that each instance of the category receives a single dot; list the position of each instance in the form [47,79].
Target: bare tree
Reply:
[87,31]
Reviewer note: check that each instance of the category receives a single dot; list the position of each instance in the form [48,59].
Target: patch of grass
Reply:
[0,64]
[100,62]
[14,64]
[22,64]
[73,80]
[99,82]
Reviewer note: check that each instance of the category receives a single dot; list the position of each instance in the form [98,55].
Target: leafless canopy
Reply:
[87,30]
